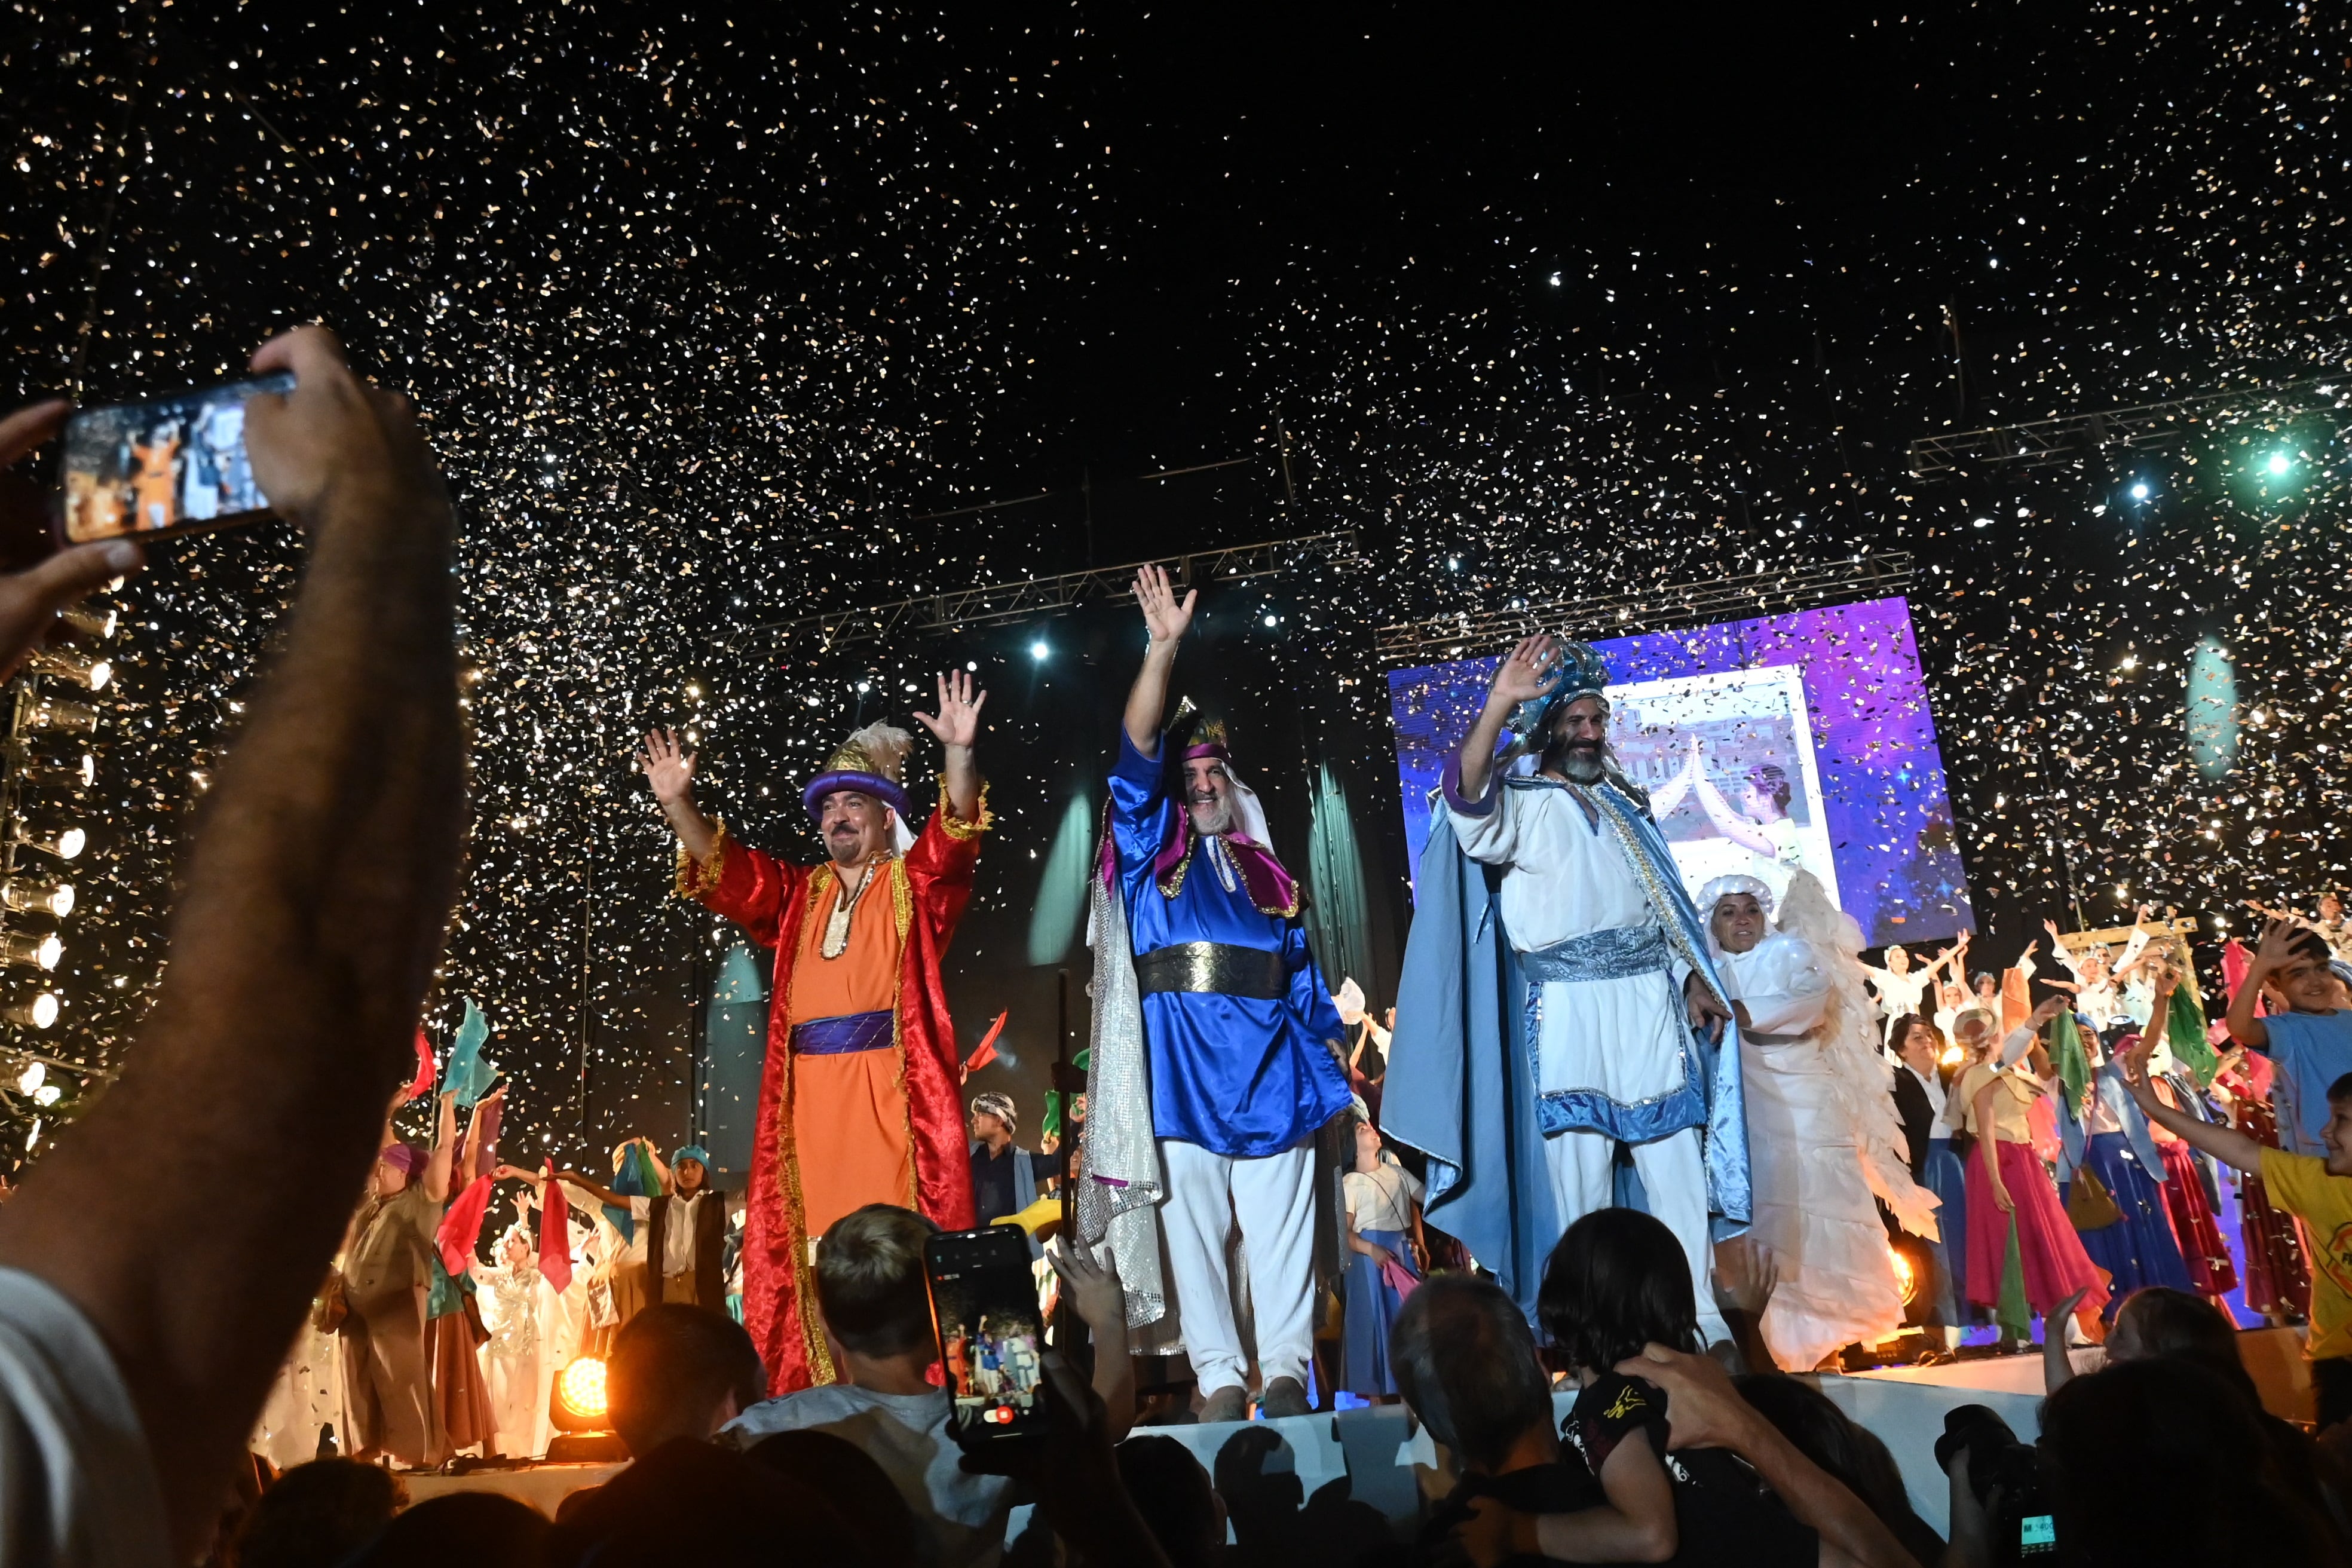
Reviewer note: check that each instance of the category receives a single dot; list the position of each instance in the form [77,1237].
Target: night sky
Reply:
[712,319]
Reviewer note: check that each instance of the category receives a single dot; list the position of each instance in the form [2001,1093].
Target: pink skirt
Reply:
[2050,1254]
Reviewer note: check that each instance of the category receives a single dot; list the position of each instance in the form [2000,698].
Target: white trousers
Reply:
[1272,1200]
[1674,1175]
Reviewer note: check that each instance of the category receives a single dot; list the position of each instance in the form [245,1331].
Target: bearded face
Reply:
[1209,796]
[1577,747]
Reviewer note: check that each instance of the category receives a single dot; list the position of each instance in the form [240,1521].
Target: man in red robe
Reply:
[859,1100]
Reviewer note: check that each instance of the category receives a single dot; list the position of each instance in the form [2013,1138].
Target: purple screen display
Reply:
[1868,787]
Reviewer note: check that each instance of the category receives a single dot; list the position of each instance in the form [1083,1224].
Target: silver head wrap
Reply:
[999,1105]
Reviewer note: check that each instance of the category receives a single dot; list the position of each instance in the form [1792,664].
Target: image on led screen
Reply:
[1767,745]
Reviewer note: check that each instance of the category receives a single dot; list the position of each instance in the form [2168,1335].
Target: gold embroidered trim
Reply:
[700,879]
[902,905]
[1661,901]
[788,1167]
[955,826]
[1172,883]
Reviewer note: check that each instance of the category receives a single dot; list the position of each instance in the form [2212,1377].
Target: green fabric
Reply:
[449,1290]
[2013,1312]
[2074,1063]
[2184,1031]
[1337,915]
[468,1074]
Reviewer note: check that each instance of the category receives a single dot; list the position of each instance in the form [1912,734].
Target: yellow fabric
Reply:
[955,826]
[698,877]
[2299,1184]
[2010,1102]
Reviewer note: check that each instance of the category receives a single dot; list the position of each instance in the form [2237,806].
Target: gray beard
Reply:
[1582,767]
[1218,825]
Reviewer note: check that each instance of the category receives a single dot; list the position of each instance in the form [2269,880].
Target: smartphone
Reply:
[170,464]
[2037,1535]
[991,1335]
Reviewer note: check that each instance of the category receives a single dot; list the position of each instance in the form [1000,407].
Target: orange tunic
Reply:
[155,484]
[858,1152]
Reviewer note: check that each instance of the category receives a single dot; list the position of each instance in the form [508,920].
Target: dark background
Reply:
[715,316]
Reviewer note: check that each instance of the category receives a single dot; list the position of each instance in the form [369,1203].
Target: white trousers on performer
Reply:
[1273,1199]
[1674,1176]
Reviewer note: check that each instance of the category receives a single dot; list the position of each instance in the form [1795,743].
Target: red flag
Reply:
[985,1052]
[554,1234]
[461,1226]
[423,1079]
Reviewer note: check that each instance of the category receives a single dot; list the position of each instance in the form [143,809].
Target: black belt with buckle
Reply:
[1216,967]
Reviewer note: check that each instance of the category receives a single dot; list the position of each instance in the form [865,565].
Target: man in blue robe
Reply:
[1241,1039]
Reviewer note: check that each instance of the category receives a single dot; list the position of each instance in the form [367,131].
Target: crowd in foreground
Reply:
[140,1324]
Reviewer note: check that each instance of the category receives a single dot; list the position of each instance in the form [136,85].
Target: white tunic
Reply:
[1814,1206]
[1567,875]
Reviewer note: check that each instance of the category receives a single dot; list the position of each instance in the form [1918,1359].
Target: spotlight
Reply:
[1039,650]
[1906,1281]
[65,843]
[71,664]
[2280,463]
[39,711]
[1555,280]
[2139,490]
[37,1011]
[32,1078]
[91,623]
[44,773]
[1270,620]
[578,1408]
[28,893]
[30,949]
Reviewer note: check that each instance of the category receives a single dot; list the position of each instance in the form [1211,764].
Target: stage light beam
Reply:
[1039,650]
[2280,463]
[2139,492]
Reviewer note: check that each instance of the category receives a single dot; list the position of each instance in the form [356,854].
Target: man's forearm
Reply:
[695,831]
[1817,1499]
[1478,748]
[962,775]
[316,893]
[1147,699]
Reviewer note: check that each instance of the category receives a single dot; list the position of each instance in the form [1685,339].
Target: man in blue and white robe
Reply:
[1558,999]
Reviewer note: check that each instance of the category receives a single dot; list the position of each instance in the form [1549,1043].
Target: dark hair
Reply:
[1172,1493]
[1465,1361]
[1617,1281]
[1815,1424]
[1982,978]
[498,1527]
[2304,944]
[671,1366]
[696,1502]
[320,1513]
[2174,1323]
[1771,779]
[1903,1031]
[869,1279]
[2159,1462]
[847,1477]
[2341,1089]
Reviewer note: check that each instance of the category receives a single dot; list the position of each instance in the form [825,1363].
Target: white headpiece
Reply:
[1713,893]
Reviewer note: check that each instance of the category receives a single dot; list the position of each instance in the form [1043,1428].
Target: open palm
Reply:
[667,765]
[957,724]
[1528,672]
[1168,619]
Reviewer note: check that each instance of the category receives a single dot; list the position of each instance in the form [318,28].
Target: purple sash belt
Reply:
[837,1036]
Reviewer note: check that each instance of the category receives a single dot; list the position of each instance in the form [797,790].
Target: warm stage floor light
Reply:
[579,1404]
[1907,1279]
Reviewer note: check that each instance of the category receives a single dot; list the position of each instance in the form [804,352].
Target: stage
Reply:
[1386,1461]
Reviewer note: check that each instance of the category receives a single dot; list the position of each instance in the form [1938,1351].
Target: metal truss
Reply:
[1473,634]
[2053,443]
[995,603]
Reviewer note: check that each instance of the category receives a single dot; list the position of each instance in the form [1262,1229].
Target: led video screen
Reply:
[1767,745]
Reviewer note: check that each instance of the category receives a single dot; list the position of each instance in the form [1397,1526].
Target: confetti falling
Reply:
[709,319]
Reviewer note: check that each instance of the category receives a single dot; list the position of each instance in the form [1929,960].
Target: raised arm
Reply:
[435,1177]
[669,768]
[2244,1024]
[597,1190]
[1166,620]
[315,897]
[661,1171]
[1669,796]
[957,725]
[1729,823]
[2226,1145]
[1528,671]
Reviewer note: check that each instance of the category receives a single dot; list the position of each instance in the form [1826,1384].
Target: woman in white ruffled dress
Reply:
[1823,1137]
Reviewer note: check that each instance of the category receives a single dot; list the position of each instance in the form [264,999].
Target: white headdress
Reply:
[1735,882]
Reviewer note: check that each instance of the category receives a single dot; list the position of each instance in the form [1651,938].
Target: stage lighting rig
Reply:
[71,664]
[32,1009]
[28,894]
[40,772]
[30,949]
[39,712]
[65,843]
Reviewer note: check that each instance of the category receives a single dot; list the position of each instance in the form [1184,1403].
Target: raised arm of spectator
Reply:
[314,900]
[1704,1411]
[1095,1290]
